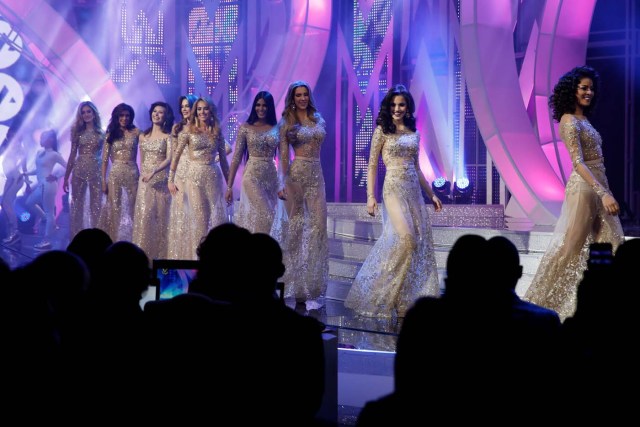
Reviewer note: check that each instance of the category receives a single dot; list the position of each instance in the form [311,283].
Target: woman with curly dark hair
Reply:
[589,212]
[121,187]
[401,266]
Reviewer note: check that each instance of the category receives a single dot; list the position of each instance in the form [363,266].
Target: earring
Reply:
[293,107]
[407,115]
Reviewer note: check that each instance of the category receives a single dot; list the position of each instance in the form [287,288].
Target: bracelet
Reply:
[370,196]
[172,175]
[599,189]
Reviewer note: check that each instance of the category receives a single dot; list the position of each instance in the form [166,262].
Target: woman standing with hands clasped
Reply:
[590,212]
[304,239]
[151,217]
[121,187]
[401,266]
[257,139]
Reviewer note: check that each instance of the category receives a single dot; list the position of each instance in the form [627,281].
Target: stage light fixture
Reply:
[462,190]
[442,188]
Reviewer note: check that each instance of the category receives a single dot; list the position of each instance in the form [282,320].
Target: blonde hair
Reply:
[79,125]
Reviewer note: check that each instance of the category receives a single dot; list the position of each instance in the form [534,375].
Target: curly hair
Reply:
[212,126]
[168,117]
[271,109]
[384,115]
[563,99]
[79,125]
[113,130]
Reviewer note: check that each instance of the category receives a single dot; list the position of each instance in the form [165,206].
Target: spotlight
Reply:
[442,188]
[462,191]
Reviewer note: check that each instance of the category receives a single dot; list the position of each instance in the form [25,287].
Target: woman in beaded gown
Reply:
[203,140]
[257,138]
[303,236]
[153,200]
[401,266]
[589,213]
[179,245]
[87,140]
[121,186]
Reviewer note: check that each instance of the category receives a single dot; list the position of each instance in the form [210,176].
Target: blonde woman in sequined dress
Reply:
[401,266]
[590,212]
[203,140]
[85,157]
[257,138]
[179,237]
[121,186]
[153,200]
[303,236]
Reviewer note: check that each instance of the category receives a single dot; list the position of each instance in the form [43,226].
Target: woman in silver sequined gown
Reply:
[590,212]
[401,266]
[303,236]
[203,141]
[258,139]
[179,245]
[85,157]
[151,217]
[121,186]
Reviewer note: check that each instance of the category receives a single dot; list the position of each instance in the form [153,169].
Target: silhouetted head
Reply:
[466,267]
[503,264]
[267,266]
[223,262]
[124,272]
[90,244]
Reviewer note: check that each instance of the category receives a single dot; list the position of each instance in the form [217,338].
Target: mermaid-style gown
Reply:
[303,236]
[179,238]
[401,266]
[153,200]
[86,178]
[259,194]
[204,182]
[583,220]
[116,217]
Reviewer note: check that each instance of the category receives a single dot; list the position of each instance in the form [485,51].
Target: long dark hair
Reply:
[191,99]
[384,115]
[563,99]
[113,130]
[168,117]
[271,108]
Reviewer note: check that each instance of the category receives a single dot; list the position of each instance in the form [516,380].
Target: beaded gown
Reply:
[401,266]
[303,233]
[116,216]
[86,182]
[151,217]
[583,220]
[204,182]
[259,194]
[179,245]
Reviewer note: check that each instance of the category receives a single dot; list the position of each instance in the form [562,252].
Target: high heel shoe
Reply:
[12,238]
[42,246]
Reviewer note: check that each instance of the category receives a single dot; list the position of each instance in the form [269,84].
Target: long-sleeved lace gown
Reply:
[401,266]
[204,182]
[179,242]
[116,216]
[151,218]
[86,181]
[303,236]
[259,194]
[583,220]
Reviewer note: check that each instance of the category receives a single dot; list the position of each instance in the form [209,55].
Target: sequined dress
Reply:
[401,266]
[151,218]
[204,182]
[259,194]
[303,236]
[116,216]
[583,220]
[179,245]
[86,182]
